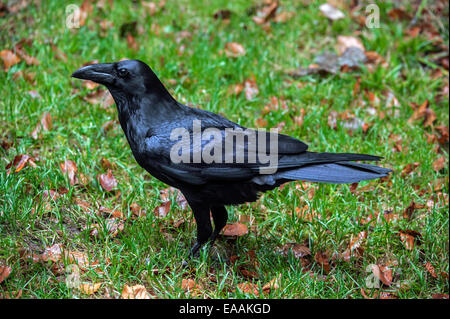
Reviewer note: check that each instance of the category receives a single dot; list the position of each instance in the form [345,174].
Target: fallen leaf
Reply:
[275,283]
[331,12]
[265,12]
[322,259]
[429,267]
[5,271]
[298,250]
[70,168]
[135,292]
[19,162]
[107,181]
[250,88]
[248,288]
[45,124]
[137,210]
[409,238]
[346,42]
[163,209]
[9,59]
[89,288]
[439,164]
[189,284]
[234,49]
[423,112]
[112,226]
[407,213]
[236,229]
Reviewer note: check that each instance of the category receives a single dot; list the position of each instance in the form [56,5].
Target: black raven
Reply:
[168,140]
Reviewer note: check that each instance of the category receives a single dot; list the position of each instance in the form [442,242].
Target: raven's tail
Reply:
[341,172]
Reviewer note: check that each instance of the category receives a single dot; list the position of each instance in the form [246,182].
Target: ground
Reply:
[395,105]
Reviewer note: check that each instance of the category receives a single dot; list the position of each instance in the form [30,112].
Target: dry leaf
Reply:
[70,168]
[107,181]
[275,283]
[236,229]
[299,250]
[9,59]
[234,49]
[19,162]
[248,288]
[89,288]
[346,42]
[439,164]
[189,284]
[250,88]
[409,238]
[163,209]
[4,272]
[322,260]
[429,267]
[331,12]
[265,12]
[135,292]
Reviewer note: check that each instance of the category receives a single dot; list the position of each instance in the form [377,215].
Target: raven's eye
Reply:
[122,72]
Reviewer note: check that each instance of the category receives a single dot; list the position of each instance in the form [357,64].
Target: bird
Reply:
[211,160]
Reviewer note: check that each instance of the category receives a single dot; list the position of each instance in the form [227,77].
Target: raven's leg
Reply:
[220,217]
[204,228]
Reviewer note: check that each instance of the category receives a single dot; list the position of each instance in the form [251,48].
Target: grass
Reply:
[203,75]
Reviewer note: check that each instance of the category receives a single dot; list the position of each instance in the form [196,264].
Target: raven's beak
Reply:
[101,73]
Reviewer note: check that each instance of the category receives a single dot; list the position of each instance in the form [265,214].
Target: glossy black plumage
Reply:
[148,114]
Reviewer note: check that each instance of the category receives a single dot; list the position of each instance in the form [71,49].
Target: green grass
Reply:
[203,75]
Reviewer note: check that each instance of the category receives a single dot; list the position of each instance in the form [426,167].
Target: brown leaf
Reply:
[409,238]
[137,210]
[29,60]
[250,88]
[331,12]
[423,112]
[439,164]
[429,267]
[283,17]
[89,288]
[236,229]
[275,283]
[322,260]
[234,49]
[346,42]
[236,89]
[4,272]
[131,42]
[248,288]
[163,209]
[265,12]
[113,227]
[407,213]
[52,253]
[409,168]
[19,162]
[383,273]
[70,168]
[189,284]
[135,292]
[107,181]
[299,250]
[9,59]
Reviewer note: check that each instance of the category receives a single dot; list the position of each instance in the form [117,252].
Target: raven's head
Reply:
[130,77]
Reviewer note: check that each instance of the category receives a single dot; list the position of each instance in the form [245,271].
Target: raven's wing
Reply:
[198,159]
